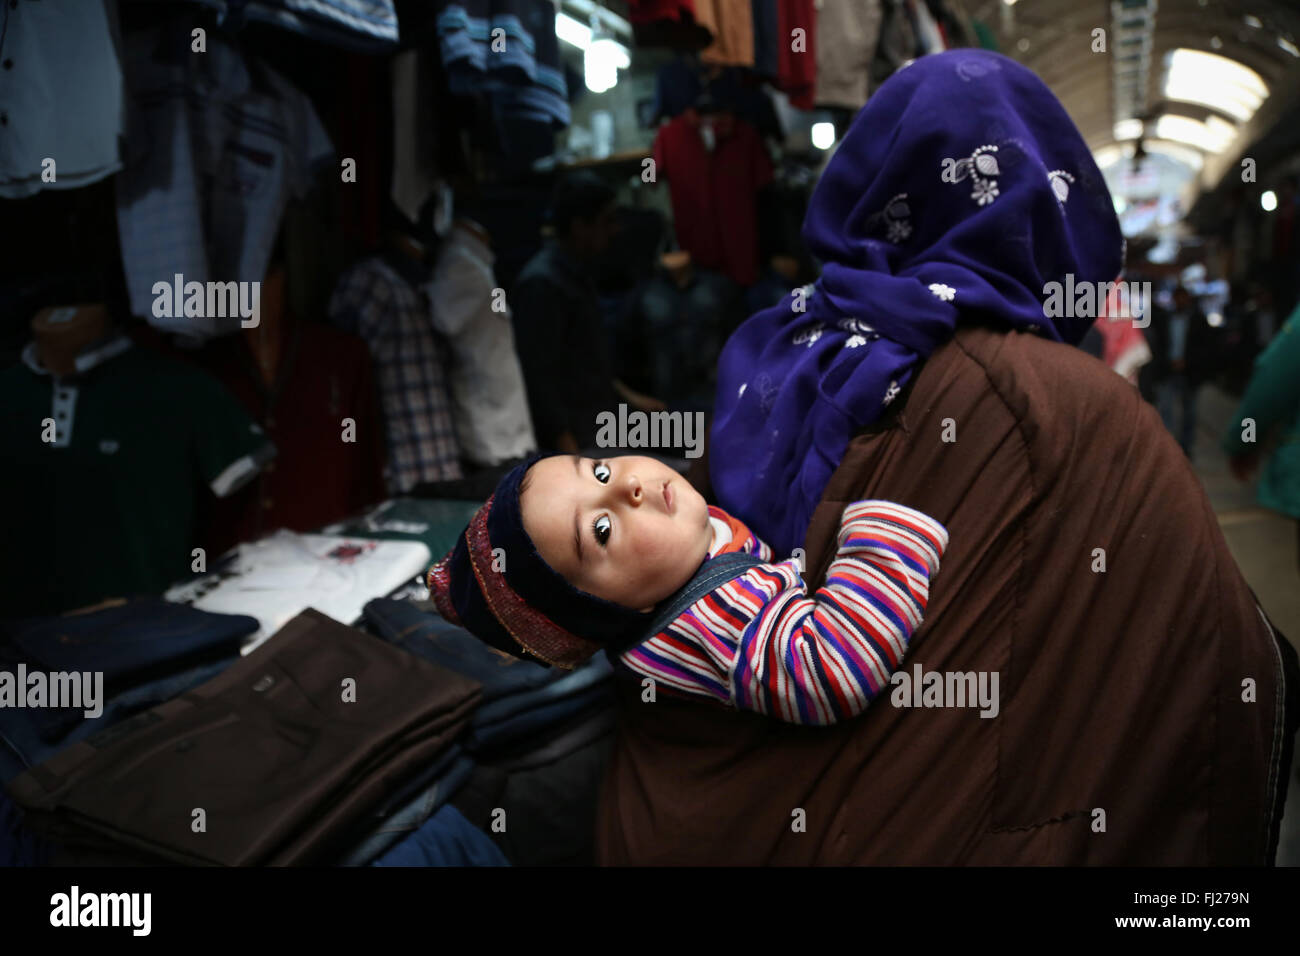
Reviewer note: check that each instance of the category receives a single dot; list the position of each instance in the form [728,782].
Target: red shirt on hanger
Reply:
[714,191]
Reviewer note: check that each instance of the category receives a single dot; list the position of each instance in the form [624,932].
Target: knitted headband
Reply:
[494,584]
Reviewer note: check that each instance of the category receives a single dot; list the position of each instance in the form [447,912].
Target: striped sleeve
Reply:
[760,643]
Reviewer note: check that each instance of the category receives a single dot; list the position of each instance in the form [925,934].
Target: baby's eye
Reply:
[600,528]
[601,471]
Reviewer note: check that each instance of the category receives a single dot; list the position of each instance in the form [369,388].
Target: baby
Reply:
[571,556]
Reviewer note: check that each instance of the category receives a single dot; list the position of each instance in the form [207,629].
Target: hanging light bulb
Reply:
[603,58]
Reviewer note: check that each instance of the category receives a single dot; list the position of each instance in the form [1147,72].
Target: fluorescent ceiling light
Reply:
[823,135]
[572,32]
[1287,45]
[1268,201]
[1212,136]
[613,52]
[1195,76]
[1128,129]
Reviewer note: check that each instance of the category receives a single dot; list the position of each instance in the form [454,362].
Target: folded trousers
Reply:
[272,763]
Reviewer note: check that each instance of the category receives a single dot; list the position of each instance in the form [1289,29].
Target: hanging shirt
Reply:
[797,68]
[489,403]
[60,95]
[106,508]
[714,191]
[216,146]
[380,300]
[761,643]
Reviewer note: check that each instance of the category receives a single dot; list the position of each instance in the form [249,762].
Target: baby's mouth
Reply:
[668,497]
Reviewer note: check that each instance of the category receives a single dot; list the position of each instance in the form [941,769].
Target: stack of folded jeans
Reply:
[522,701]
[280,760]
[541,737]
[445,839]
[147,651]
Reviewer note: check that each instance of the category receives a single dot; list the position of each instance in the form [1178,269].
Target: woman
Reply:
[1094,682]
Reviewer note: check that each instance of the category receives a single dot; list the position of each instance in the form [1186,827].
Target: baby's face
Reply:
[630,529]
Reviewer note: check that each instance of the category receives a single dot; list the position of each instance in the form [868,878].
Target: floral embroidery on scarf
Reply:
[973,69]
[858,326]
[743,386]
[897,218]
[981,166]
[945,292]
[1060,181]
[808,335]
[892,392]
[853,341]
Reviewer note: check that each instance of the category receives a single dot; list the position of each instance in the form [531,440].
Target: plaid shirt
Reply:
[374,300]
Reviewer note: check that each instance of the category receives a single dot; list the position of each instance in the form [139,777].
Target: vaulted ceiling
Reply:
[1055,39]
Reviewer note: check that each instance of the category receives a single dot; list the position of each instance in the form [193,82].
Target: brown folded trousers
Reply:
[274,754]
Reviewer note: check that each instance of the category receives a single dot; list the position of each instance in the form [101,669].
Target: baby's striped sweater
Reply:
[760,643]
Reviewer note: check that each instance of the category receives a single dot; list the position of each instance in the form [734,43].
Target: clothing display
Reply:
[363,25]
[524,75]
[435,523]
[381,299]
[489,402]
[396,825]
[106,506]
[732,25]
[766,58]
[797,68]
[521,699]
[714,166]
[321,410]
[562,346]
[670,23]
[60,95]
[280,761]
[26,747]
[127,644]
[275,578]
[847,34]
[445,839]
[682,84]
[216,145]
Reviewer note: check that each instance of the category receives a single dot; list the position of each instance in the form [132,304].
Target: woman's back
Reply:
[1139,713]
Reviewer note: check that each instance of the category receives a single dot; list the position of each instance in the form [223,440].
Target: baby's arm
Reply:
[761,643]
[823,659]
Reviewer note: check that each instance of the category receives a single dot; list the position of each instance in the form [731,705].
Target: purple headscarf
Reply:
[961,189]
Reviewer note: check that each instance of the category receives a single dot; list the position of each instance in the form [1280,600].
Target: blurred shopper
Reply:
[559,331]
[1182,352]
[1267,423]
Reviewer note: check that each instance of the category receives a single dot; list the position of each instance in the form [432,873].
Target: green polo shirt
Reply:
[106,508]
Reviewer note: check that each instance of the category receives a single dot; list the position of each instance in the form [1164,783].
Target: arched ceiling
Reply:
[1054,38]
